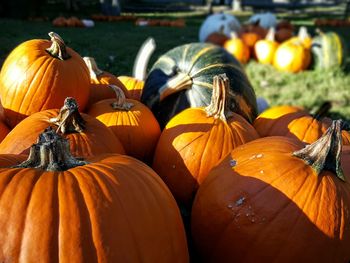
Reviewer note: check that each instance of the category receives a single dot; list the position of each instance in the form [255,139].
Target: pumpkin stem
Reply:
[233,35]
[302,33]
[69,119]
[323,110]
[92,66]
[50,153]
[218,107]
[58,47]
[324,154]
[121,103]
[180,81]
[270,36]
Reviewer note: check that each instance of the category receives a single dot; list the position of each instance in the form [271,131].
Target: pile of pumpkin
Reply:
[274,43]
[77,145]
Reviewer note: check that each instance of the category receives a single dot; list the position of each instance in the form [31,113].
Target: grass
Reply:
[115,45]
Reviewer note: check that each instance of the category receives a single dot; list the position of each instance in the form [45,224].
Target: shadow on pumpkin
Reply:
[12,118]
[256,222]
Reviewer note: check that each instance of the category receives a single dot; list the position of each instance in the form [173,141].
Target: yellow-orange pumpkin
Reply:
[265,49]
[133,87]
[237,48]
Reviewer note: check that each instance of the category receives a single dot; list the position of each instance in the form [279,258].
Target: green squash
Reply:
[328,50]
[183,78]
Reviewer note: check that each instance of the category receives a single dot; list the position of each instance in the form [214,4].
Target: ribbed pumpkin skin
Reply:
[272,207]
[30,74]
[99,89]
[201,62]
[328,50]
[191,144]
[96,139]
[293,122]
[137,128]
[99,212]
[133,87]
[4,130]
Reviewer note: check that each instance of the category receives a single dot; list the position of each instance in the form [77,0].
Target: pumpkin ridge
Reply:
[222,65]
[199,54]
[82,201]
[49,93]
[37,72]
[184,55]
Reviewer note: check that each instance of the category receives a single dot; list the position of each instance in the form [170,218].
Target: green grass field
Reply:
[115,44]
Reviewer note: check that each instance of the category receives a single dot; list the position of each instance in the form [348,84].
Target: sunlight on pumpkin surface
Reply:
[17,71]
[285,58]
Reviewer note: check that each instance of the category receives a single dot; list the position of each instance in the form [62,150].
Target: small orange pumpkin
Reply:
[100,81]
[131,121]
[265,49]
[237,48]
[292,56]
[132,86]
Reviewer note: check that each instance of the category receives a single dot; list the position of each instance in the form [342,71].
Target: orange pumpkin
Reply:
[59,21]
[295,122]
[44,72]
[131,121]
[267,201]
[237,48]
[265,49]
[100,81]
[88,136]
[292,56]
[132,86]
[194,140]
[111,208]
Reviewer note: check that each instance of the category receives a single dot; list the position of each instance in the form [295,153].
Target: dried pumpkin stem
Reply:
[69,119]
[58,47]
[270,36]
[50,153]
[219,104]
[324,154]
[180,81]
[92,66]
[121,103]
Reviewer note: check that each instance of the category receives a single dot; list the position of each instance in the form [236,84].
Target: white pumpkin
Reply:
[266,20]
[224,23]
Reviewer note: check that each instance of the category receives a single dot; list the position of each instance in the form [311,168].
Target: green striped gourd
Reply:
[183,78]
[328,50]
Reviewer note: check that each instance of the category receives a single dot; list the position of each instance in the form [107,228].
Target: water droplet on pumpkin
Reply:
[259,155]
[174,166]
[261,171]
[229,206]
[240,201]
[233,163]
[253,220]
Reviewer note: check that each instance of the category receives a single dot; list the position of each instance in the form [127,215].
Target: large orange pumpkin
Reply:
[295,122]
[131,121]
[88,136]
[195,139]
[38,75]
[100,81]
[132,86]
[262,204]
[111,208]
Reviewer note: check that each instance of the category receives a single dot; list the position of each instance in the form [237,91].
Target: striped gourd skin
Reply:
[201,62]
[328,50]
